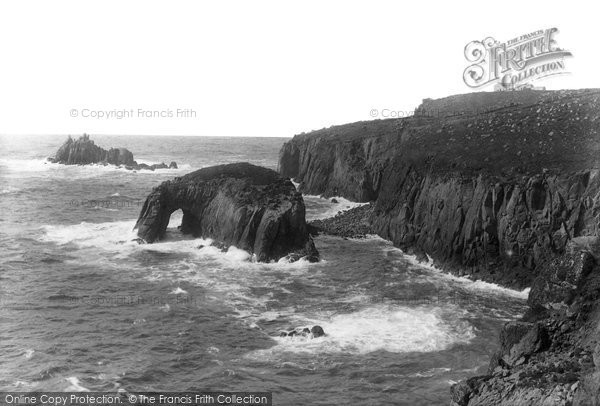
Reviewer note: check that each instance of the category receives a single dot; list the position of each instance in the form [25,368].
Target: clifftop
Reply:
[500,133]
[256,175]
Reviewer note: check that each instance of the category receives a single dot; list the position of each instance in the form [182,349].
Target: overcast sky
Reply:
[254,68]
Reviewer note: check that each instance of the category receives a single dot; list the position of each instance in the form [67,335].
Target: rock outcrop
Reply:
[490,193]
[353,223]
[503,187]
[84,151]
[550,357]
[241,205]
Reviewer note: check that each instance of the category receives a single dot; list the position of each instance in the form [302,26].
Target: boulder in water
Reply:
[317,331]
[314,332]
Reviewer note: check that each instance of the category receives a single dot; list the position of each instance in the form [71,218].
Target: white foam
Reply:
[29,353]
[492,287]
[75,385]
[16,167]
[23,384]
[119,236]
[110,235]
[145,161]
[397,329]
[318,208]
[480,286]
[430,372]
[9,189]
[228,276]
[25,165]
[225,274]
[178,291]
[235,254]
[42,165]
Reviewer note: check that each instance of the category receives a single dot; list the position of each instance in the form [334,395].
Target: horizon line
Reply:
[138,135]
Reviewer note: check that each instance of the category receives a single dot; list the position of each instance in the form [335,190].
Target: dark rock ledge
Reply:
[352,223]
[247,206]
[552,355]
[84,151]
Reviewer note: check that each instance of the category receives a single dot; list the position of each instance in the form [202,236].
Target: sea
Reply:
[85,307]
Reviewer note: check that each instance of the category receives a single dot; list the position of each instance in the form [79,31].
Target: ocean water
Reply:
[84,307]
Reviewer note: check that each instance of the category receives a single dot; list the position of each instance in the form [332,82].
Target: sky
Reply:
[254,68]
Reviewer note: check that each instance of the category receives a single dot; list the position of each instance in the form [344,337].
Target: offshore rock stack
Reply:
[84,151]
[496,186]
[241,205]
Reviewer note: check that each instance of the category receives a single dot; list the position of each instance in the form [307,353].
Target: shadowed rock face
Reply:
[243,205]
[488,184]
[552,355]
[84,151]
[497,186]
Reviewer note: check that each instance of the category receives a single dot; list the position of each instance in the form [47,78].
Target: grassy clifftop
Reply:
[499,133]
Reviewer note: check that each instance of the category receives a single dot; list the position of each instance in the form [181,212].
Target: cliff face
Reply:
[498,186]
[552,355]
[491,189]
[247,206]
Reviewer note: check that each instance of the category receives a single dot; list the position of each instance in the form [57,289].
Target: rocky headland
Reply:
[241,205]
[83,151]
[500,186]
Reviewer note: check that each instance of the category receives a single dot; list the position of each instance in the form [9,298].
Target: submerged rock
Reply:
[313,332]
[84,151]
[241,205]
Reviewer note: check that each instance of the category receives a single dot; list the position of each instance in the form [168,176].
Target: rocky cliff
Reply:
[496,186]
[243,205]
[552,355]
[84,151]
[490,191]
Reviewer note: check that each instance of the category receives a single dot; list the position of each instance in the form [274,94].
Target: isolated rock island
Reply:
[241,205]
[499,186]
[84,151]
